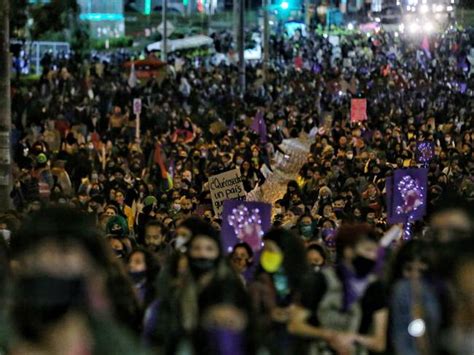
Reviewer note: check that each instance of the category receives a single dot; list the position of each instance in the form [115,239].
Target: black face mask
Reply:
[363,266]
[137,277]
[185,210]
[43,300]
[200,266]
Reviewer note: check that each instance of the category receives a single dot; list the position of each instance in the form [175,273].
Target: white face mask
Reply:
[180,242]
[176,206]
[6,234]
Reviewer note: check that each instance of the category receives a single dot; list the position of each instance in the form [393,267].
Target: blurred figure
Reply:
[316,256]
[413,301]
[143,269]
[277,285]
[343,309]
[62,304]
[460,336]
[173,319]
[241,259]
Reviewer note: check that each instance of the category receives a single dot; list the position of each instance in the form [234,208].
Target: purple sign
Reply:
[424,152]
[244,222]
[406,195]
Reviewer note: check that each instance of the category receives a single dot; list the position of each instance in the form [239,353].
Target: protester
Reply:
[152,214]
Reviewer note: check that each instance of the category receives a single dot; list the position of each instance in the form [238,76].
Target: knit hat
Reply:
[41,158]
[117,225]
[149,200]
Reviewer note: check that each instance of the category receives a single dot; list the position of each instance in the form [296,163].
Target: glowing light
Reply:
[424,8]
[428,27]
[147,8]
[417,328]
[101,17]
[285,5]
[449,8]
[350,26]
[414,27]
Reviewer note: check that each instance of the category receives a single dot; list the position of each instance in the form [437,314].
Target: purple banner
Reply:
[424,152]
[406,195]
[244,222]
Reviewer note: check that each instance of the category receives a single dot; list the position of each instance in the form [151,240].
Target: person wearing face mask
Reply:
[226,322]
[155,240]
[177,314]
[142,270]
[277,285]
[343,309]
[306,227]
[413,297]
[316,255]
[186,208]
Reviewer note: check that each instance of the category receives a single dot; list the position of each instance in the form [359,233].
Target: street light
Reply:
[285,5]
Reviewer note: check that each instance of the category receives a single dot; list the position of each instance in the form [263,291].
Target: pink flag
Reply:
[425,45]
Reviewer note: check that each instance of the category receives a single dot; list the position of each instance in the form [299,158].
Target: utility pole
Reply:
[235,19]
[266,39]
[241,46]
[164,41]
[5,108]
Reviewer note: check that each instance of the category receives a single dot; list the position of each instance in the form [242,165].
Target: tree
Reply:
[64,12]
[18,16]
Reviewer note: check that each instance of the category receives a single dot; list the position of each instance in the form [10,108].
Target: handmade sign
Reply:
[406,195]
[245,222]
[358,110]
[226,186]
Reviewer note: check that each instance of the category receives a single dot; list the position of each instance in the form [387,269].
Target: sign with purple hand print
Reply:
[424,152]
[244,222]
[406,195]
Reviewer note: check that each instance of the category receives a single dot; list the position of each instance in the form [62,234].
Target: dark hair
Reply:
[245,246]
[63,226]
[152,270]
[319,248]
[410,251]
[349,235]
[156,223]
[294,262]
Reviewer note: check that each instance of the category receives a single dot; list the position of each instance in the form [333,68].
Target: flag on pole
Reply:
[260,127]
[425,45]
[159,160]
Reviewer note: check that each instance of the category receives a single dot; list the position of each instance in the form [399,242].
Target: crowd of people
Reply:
[113,246]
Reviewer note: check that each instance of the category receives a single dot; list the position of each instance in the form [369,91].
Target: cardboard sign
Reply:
[137,106]
[226,186]
[358,110]
[245,222]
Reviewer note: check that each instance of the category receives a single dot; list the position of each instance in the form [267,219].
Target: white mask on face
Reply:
[180,242]
[6,234]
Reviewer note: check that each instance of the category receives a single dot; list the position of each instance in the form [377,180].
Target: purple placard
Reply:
[424,152]
[408,195]
[244,221]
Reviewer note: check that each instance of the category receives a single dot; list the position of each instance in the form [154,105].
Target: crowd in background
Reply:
[114,247]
